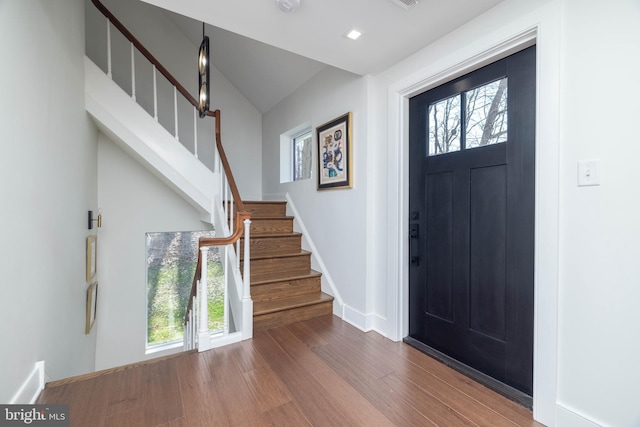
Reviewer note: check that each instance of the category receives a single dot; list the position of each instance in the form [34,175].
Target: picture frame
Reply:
[92,246]
[92,307]
[333,140]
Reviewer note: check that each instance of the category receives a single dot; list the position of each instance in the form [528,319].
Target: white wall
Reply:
[600,273]
[335,219]
[241,122]
[134,202]
[586,256]
[47,185]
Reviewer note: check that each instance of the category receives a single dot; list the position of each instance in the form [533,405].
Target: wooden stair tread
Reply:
[284,287]
[281,304]
[261,279]
[265,202]
[273,234]
[271,217]
[263,208]
[280,255]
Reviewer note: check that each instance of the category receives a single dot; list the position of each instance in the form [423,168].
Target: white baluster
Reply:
[192,320]
[187,332]
[231,213]
[227,197]
[109,73]
[216,160]
[223,177]
[155,95]
[226,295]
[224,197]
[195,132]
[133,73]
[204,337]
[175,110]
[185,341]
[246,277]
[238,254]
[190,337]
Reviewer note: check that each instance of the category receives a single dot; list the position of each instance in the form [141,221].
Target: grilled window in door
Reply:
[471,119]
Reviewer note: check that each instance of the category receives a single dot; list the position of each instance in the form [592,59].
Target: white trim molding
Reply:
[572,418]
[547,39]
[32,386]
[364,322]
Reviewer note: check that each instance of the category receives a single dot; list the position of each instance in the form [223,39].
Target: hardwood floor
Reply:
[320,372]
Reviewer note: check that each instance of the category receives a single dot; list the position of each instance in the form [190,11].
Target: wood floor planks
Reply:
[316,404]
[320,372]
[357,409]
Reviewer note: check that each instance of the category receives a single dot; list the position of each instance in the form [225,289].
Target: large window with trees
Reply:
[171,263]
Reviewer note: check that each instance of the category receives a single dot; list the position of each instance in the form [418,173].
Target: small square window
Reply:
[296,154]
[444,126]
[486,121]
[302,156]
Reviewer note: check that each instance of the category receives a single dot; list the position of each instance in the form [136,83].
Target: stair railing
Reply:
[196,330]
[197,334]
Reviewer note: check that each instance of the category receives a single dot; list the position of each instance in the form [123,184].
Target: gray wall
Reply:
[335,219]
[587,273]
[134,202]
[241,122]
[48,172]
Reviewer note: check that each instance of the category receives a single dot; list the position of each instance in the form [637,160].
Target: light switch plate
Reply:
[588,173]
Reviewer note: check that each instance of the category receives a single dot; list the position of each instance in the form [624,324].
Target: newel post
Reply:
[247,268]
[204,336]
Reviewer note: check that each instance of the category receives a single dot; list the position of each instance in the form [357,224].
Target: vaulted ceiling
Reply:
[267,54]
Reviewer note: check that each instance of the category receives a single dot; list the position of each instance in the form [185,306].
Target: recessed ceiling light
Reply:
[288,6]
[354,34]
[405,4]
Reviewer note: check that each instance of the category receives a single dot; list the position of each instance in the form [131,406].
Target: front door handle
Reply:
[414,231]
[414,234]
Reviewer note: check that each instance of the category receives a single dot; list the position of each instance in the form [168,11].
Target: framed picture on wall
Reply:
[334,154]
[92,246]
[92,305]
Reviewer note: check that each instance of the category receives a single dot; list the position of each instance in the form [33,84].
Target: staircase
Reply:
[284,288]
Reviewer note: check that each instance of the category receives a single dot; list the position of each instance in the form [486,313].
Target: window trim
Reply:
[286,154]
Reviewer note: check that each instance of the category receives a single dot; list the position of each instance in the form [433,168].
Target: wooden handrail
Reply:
[229,240]
[214,241]
[143,50]
[241,215]
[215,114]
[225,163]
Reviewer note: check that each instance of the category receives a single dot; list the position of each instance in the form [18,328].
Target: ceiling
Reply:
[267,54]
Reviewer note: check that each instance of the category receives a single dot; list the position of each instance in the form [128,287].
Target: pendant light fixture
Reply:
[203,76]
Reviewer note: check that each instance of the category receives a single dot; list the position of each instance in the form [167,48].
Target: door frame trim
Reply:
[547,39]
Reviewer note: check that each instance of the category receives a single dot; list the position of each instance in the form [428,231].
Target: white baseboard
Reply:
[364,322]
[32,386]
[570,418]
[230,338]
